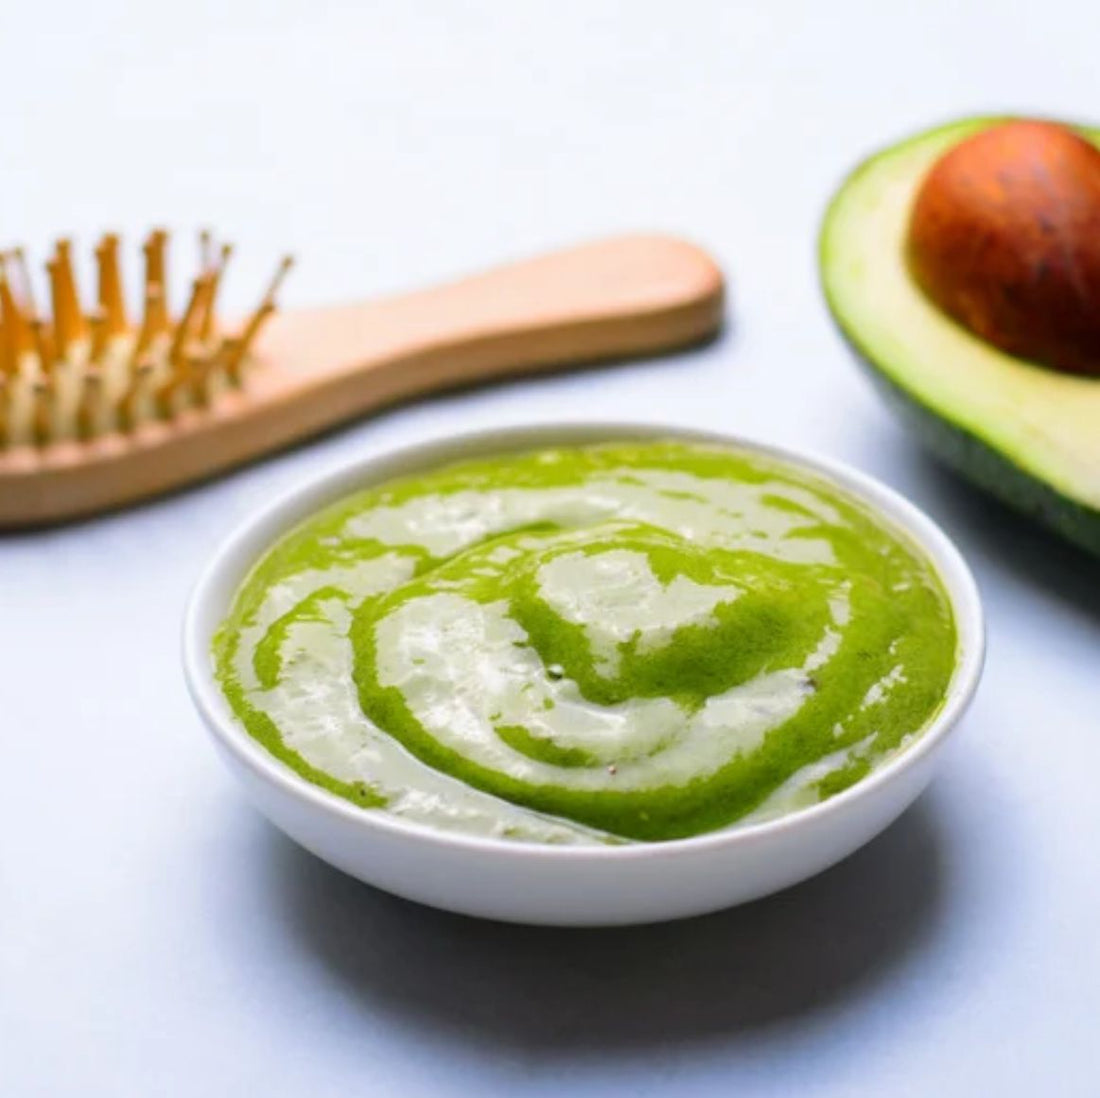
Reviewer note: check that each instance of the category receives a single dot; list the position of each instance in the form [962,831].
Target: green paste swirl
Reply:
[627,642]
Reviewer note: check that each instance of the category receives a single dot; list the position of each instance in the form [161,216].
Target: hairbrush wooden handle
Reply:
[316,368]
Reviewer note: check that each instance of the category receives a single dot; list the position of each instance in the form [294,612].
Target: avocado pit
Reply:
[1004,237]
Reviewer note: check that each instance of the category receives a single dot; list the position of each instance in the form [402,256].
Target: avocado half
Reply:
[1027,434]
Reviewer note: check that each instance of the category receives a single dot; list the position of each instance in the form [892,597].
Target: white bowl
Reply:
[566,885]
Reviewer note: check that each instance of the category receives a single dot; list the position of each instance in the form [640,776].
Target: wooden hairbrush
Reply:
[97,411]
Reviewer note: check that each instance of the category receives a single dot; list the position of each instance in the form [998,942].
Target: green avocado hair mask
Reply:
[632,641]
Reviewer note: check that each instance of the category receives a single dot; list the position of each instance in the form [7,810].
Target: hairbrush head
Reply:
[97,411]
[74,373]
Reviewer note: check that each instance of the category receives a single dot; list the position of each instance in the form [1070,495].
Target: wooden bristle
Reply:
[156,275]
[111,298]
[43,343]
[283,270]
[237,350]
[203,307]
[87,412]
[68,285]
[187,323]
[230,355]
[155,246]
[97,321]
[149,320]
[208,323]
[16,331]
[201,368]
[9,324]
[128,404]
[43,411]
[180,379]
[64,320]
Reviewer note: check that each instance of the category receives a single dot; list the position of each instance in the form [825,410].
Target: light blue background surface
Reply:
[157,937]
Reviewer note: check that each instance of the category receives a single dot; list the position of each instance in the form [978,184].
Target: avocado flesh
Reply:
[1024,432]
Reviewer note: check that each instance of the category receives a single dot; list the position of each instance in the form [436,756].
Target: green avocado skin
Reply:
[975,459]
[987,467]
